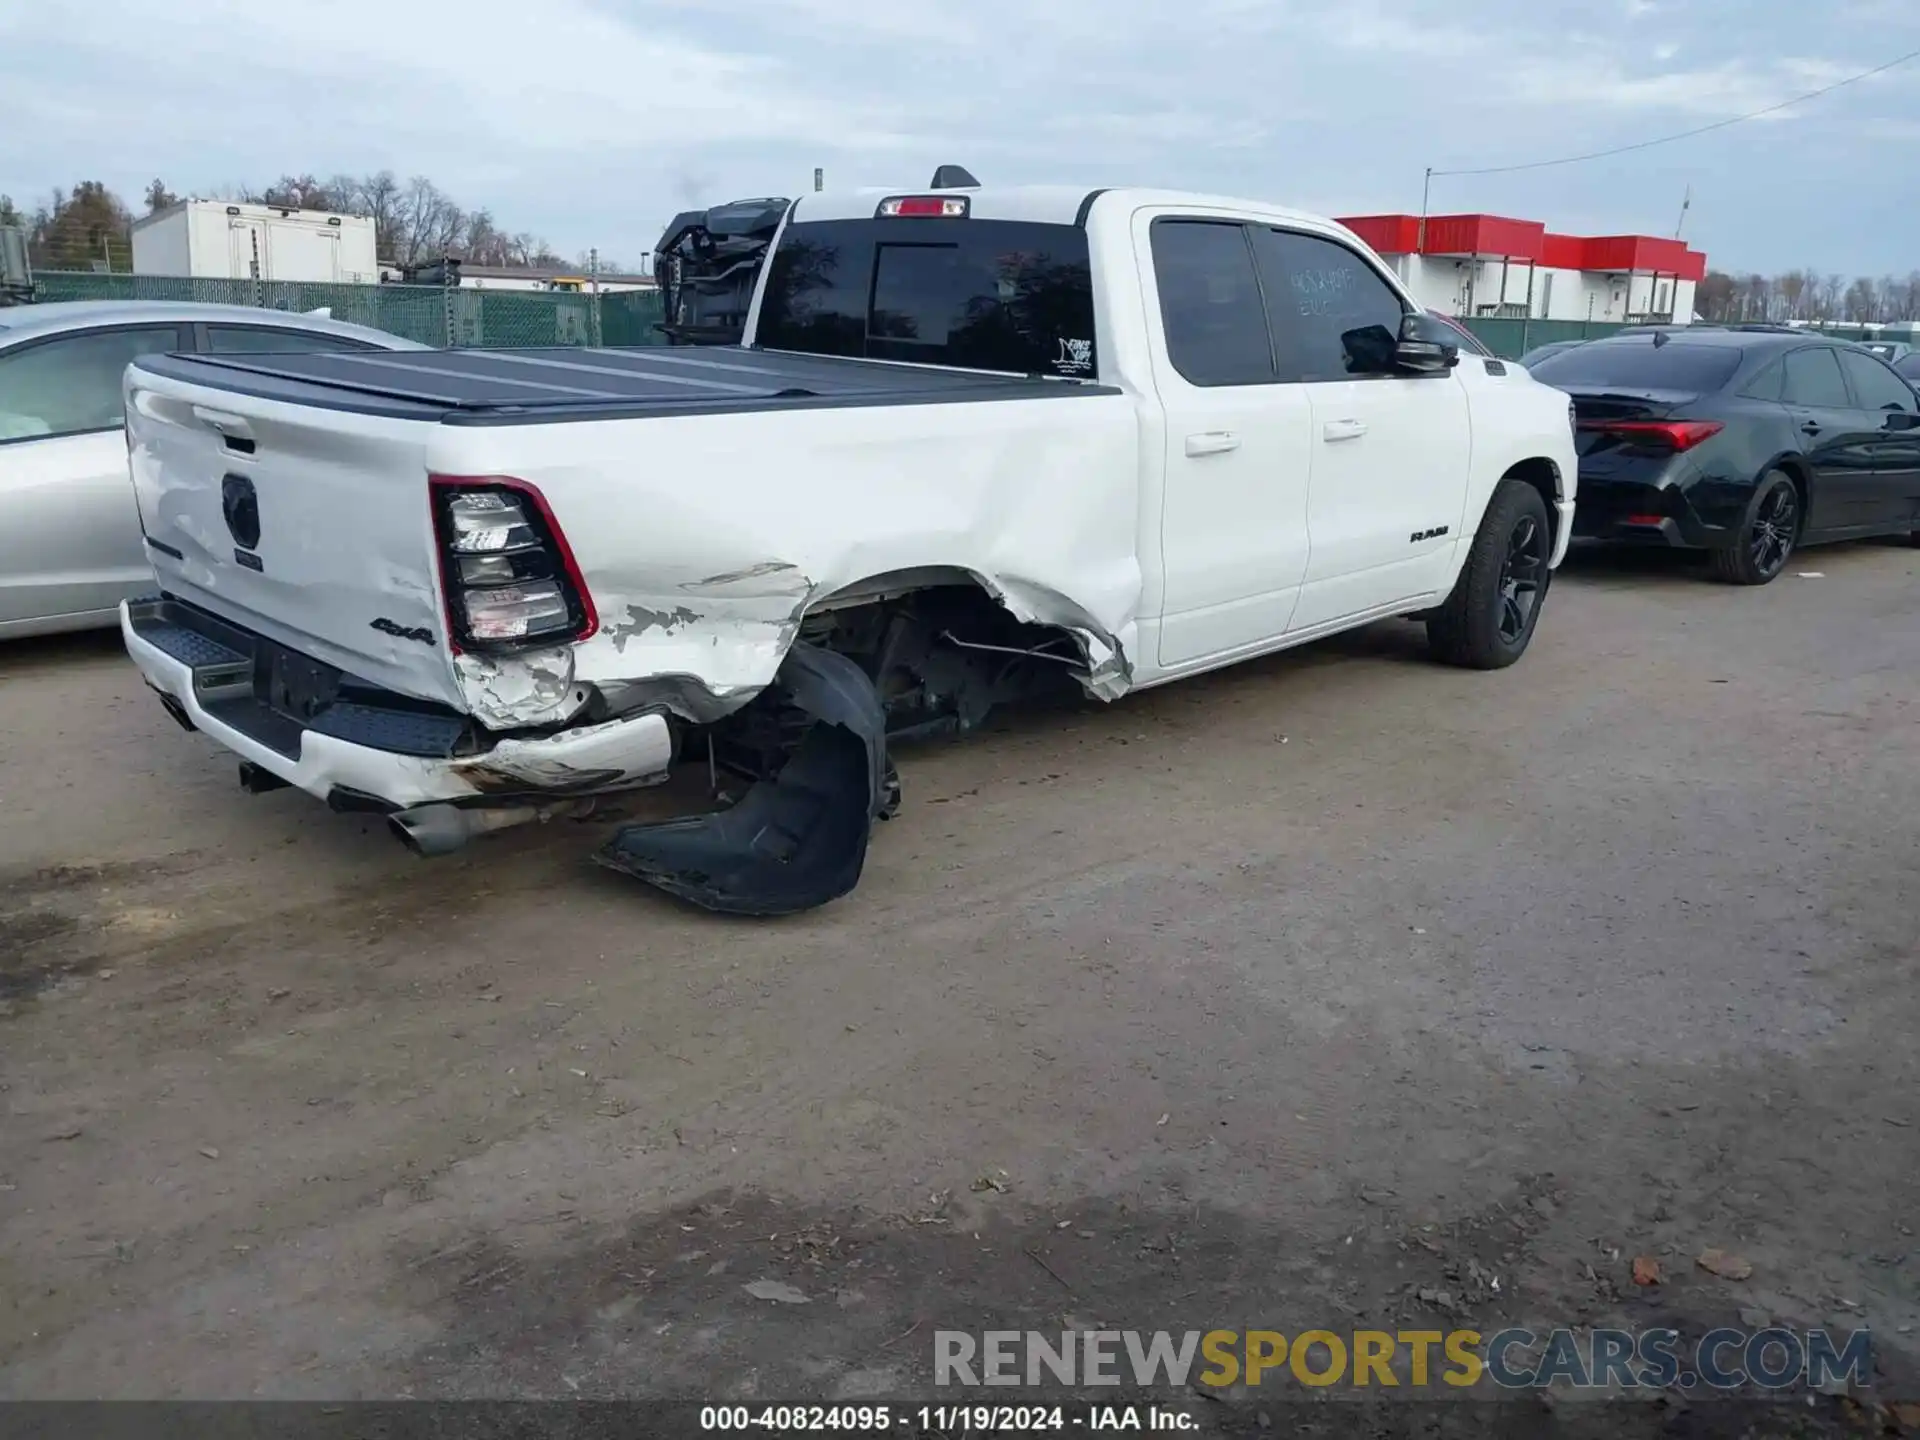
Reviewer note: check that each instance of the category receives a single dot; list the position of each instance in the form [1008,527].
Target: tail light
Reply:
[508,575]
[1676,435]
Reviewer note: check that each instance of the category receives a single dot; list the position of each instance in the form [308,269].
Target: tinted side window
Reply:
[1317,290]
[982,294]
[71,385]
[259,340]
[1875,387]
[1909,366]
[1813,378]
[1766,385]
[1210,303]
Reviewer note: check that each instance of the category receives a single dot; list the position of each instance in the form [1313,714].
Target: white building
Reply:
[1493,266]
[214,239]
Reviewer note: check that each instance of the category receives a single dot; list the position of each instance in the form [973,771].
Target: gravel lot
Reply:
[1279,997]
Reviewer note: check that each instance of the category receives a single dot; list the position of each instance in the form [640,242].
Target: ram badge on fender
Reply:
[980,445]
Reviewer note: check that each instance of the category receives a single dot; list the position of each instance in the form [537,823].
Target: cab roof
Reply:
[1042,204]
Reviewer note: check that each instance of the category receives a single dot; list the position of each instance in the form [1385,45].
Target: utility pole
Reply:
[1686,203]
[1426,187]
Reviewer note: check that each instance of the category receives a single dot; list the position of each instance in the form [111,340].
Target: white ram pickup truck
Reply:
[980,445]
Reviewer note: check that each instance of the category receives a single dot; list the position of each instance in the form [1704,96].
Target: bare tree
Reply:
[1831,289]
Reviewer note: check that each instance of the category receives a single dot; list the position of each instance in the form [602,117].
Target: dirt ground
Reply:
[1334,990]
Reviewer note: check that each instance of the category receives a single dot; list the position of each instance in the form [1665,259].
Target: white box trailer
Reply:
[218,240]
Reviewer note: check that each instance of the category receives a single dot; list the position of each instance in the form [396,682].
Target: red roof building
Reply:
[1494,265]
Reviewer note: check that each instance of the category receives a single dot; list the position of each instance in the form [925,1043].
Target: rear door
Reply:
[1838,439]
[1896,448]
[71,543]
[1390,452]
[1238,443]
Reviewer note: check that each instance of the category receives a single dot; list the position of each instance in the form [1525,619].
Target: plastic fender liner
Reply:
[796,840]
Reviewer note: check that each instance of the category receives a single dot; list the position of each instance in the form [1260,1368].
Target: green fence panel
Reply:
[429,314]
[631,317]
[1513,338]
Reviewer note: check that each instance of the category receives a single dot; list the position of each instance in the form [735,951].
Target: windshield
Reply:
[979,294]
[1640,365]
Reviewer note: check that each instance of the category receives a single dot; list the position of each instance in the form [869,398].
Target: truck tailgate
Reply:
[309,526]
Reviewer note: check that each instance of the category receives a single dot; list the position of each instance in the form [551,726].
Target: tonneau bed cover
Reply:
[506,387]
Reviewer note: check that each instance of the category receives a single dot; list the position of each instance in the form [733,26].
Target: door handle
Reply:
[1810,428]
[1213,442]
[1343,430]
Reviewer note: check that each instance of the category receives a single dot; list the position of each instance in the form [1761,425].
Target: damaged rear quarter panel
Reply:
[704,538]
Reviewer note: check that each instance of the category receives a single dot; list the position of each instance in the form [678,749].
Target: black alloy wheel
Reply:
[1522,577]
[1767,537]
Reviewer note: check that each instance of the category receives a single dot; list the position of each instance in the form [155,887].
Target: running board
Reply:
[794,841]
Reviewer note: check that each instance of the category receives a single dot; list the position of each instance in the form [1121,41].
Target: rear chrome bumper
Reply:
[366,750]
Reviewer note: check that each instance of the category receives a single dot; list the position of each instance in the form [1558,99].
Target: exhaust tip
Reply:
[431,830]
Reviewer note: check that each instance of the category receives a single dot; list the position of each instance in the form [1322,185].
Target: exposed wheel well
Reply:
[1543,475]
[941,648]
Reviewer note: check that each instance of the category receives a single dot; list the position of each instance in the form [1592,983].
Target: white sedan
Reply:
[71,548]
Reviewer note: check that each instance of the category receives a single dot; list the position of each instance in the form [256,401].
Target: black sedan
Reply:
[1744,443]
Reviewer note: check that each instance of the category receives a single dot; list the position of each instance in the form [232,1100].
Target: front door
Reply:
[1838,439]
[1239,445]
[1884,396]
[1390,453]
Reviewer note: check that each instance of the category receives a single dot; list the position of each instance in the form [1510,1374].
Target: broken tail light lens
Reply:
[508,575]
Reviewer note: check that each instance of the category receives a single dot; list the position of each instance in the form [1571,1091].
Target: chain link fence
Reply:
[463,317]
[1510,338]
[449,316]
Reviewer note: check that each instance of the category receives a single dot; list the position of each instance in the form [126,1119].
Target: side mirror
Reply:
[1902,420]
[1425,346]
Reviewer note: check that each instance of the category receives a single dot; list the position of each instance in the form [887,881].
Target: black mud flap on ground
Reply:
[799,839]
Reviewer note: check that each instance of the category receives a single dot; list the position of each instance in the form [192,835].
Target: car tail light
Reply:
[940,207]
[507,573]
[1646,519]
[1674,434]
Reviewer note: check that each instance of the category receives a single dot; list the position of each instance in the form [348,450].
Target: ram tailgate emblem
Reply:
[1433,534]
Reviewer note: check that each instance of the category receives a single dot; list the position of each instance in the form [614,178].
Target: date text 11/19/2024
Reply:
[937,1419]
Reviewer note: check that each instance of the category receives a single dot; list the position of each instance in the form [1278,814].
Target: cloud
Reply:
[592,121]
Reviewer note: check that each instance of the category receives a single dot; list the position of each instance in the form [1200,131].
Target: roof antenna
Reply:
[954,177]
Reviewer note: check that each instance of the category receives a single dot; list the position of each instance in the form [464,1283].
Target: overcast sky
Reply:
[590,122]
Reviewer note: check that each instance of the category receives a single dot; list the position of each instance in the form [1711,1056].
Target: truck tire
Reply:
[1767,536]
[1489,619]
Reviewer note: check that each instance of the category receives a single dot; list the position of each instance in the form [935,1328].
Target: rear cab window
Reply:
[1004,295]
[1640,365]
